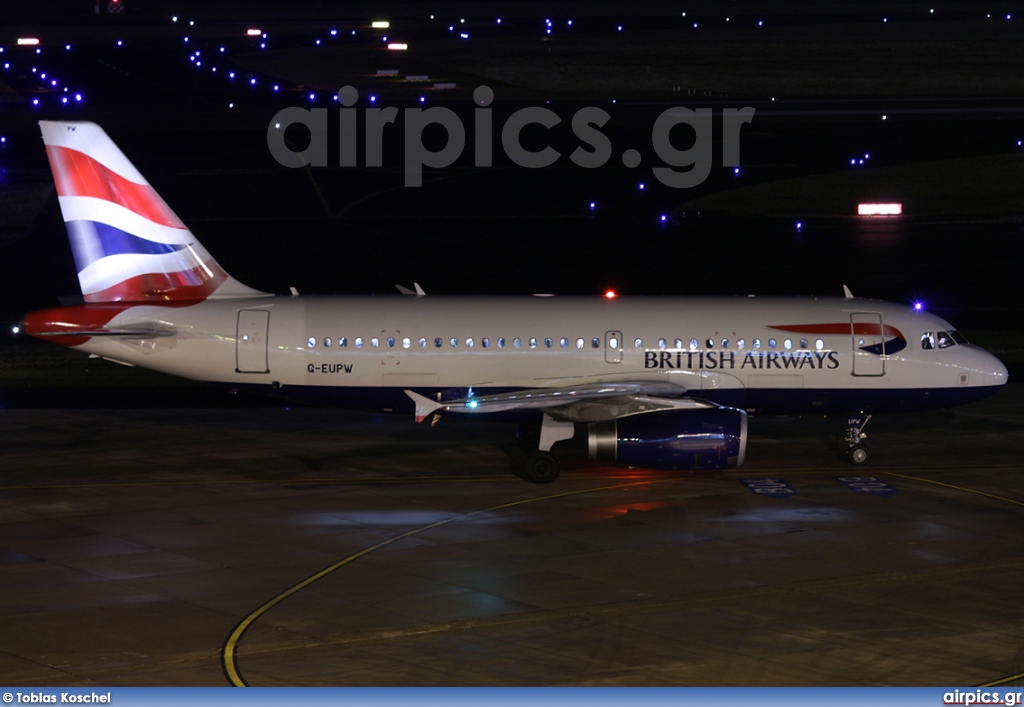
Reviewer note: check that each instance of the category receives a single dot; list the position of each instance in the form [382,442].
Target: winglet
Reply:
[406,291]
[847,293]
[424,405]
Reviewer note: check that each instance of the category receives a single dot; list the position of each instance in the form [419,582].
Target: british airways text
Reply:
[760,360]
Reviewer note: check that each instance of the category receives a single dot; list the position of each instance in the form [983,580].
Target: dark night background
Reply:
[946,76]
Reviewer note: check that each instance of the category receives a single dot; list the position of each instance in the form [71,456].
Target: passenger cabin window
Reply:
[375,342]
[548,343]
[311,342]
[638,343]
[437,342]
[710,343]
[693,344]
[359,342]
[596,343]
[327,342]
[343,342]
[580,343]
[757,343]
[679,343]
[771,343]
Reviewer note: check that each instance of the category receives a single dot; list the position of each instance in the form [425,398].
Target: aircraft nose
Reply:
[993,371]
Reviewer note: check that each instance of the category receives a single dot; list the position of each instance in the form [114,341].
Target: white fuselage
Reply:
[773,354]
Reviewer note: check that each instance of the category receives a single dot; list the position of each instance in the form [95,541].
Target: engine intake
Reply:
[714,438]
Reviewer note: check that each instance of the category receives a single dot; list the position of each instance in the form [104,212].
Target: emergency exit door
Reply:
[613,346]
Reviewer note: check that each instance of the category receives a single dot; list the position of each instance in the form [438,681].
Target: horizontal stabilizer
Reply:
[125,333]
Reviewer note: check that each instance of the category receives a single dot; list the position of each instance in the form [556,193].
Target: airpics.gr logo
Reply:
[982,697]
[683,168]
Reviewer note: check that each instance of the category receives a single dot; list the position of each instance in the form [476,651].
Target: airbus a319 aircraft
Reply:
[663,383]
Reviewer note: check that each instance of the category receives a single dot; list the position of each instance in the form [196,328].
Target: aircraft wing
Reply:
[589,402]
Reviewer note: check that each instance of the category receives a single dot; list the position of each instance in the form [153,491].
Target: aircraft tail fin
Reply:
[127,243]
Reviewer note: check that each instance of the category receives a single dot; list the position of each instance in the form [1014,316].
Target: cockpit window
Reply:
[941,339]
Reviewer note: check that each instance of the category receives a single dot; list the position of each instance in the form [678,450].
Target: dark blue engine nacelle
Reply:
[709,438]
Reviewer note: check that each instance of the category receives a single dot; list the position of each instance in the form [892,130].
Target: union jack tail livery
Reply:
[127,243]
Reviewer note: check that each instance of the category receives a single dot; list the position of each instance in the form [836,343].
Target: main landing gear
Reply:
[541,466]
[856,452]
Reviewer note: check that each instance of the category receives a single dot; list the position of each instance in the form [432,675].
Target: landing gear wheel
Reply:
[857,455]
[856,452]
[542,468]
[528,437]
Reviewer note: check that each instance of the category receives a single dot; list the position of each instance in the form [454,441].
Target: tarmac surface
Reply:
[268,546]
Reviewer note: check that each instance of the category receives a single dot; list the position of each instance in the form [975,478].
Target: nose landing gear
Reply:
[856,452]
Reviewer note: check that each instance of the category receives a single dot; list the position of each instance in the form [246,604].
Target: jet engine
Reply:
[714,438]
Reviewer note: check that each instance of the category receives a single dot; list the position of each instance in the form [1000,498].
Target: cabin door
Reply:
[868,344]
[251,341]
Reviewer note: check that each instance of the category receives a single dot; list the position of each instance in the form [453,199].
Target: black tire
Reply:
[857,455]
[542,468]
[528,437]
